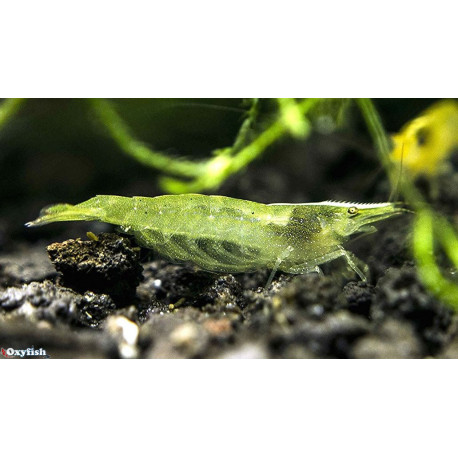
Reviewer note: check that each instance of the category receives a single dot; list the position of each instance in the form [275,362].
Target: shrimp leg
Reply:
[280,259]
[352,261]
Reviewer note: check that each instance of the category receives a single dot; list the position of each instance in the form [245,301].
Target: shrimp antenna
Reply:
[395,191]
[210,106]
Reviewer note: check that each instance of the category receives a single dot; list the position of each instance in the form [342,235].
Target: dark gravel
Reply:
[180,312]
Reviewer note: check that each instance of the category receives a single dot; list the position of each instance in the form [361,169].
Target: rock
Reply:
[185,335]
[394,339]
[24,266]
[311,290]
[219,328]
[450,351]
[108,265]
[400,294]
[46,301]
[248,350]
[331,336]
[125,333]
[358,298]
[185,286]
[174,335]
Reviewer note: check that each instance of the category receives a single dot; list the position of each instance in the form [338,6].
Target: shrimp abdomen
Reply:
[216,233]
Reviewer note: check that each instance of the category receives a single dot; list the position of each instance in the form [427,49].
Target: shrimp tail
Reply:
[67,212]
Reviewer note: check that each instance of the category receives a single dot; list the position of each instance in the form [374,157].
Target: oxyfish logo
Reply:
[31,351]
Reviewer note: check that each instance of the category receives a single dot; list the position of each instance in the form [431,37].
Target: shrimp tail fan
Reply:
[66,212]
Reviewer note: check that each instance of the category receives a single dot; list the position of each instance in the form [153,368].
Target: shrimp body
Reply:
[222,234]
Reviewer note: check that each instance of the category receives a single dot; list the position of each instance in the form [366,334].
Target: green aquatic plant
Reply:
[184,175]
[431,230]
[8,109]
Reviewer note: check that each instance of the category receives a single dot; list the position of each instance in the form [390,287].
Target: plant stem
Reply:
[220,168]
[8,109]
[139,151]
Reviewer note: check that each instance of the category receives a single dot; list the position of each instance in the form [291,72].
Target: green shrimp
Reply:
[226,235]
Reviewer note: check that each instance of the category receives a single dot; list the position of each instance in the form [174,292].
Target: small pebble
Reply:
[249,350]
[125,332]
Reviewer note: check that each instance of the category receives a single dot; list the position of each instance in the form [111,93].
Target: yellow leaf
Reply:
[425,143]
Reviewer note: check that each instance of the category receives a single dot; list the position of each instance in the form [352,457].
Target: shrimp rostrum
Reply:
[222,234]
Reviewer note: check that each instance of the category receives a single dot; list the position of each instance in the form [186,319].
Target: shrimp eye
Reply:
[353,210]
